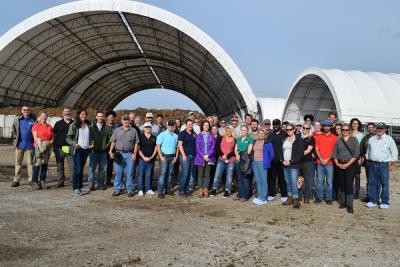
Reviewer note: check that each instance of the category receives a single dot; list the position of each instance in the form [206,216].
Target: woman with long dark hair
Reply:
[356,131]
[79,137]
[205,157]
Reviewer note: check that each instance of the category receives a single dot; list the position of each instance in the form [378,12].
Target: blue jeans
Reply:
[186,174]
[97,159]
[127,167]
[80,158]
[291,175]
[244,183]
[378,177]
[145,170]
[324,182]
[261,176]
[166,168]
[221,166]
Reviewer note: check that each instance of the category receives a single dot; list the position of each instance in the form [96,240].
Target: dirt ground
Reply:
[54,228]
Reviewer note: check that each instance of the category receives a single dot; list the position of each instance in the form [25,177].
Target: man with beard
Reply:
[324,146]
[277,137]
[60,131]
[267,127]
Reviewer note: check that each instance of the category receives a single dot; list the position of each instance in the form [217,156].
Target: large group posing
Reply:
[316,160]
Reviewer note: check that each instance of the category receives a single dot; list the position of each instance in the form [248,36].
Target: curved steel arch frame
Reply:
[45,57]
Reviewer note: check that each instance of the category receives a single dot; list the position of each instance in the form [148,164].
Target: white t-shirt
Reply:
[196,128]
[287,149]
[83,137]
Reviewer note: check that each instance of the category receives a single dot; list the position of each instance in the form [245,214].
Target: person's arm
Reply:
[181,150]
[154,153]
[110,152]
[52,138]
[135,151]
[394,153]
[309,148]
[141,153]
[237,152]
[250,148]
[35,137]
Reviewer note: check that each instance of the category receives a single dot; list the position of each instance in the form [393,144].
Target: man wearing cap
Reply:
[196,127]
[147,156]
[155,130]
[267,127]
[324,146]
[125,140]
[381,154]
[167,142]
[235,126]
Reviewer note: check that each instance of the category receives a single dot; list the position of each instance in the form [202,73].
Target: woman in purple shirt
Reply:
[205,157]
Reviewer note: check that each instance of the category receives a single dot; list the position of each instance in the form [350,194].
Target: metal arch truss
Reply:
[96,58]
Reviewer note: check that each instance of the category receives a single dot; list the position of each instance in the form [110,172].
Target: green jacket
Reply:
[100,139]
[72,135]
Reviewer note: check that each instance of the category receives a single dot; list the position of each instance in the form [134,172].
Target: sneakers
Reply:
[384,206]
[283,199]
[150,192]
[259,202]
[92,188]
[161,195]
[226,194]
[329,202]
[102,188]
[77,192]
[140,193]
[371,205]
[15,184]
[213,192]
[131,194]
[271,198]
[36,186]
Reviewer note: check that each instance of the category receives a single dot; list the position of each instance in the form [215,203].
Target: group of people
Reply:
[314,160]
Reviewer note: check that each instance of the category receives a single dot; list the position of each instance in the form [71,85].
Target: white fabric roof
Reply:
[68,53]
[271,108]
[369,96]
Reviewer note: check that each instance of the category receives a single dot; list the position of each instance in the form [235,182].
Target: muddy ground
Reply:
[54,228]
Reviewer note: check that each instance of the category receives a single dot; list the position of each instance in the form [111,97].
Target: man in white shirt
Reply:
[381,154]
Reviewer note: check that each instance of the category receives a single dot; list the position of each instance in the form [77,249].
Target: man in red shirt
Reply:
[324,145]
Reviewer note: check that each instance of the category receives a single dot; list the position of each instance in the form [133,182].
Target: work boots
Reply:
[296,203]
[200,193]
[288,202]
[350,201]
[342,200]
[205,192]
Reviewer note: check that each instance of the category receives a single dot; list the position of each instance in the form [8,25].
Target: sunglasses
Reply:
[345,130]
[25,109]
[287,129]
[305,128]
[223,122]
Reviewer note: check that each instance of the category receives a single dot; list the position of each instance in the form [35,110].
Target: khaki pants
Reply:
[19,157]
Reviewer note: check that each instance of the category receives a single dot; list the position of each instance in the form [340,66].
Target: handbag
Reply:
[349,150]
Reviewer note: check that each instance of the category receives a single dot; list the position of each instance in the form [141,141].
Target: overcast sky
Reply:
[272,41]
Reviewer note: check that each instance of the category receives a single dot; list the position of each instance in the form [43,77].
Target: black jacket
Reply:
[297,152]
[277,142]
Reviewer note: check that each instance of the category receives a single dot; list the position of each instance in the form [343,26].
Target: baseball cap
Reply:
[327,123]
[147,125]
[191,113]
[170,123]
[125,117]
[381,125]
[235,118]
[267,121]
[149,115]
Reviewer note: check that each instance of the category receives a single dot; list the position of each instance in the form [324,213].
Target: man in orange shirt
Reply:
[324,146]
